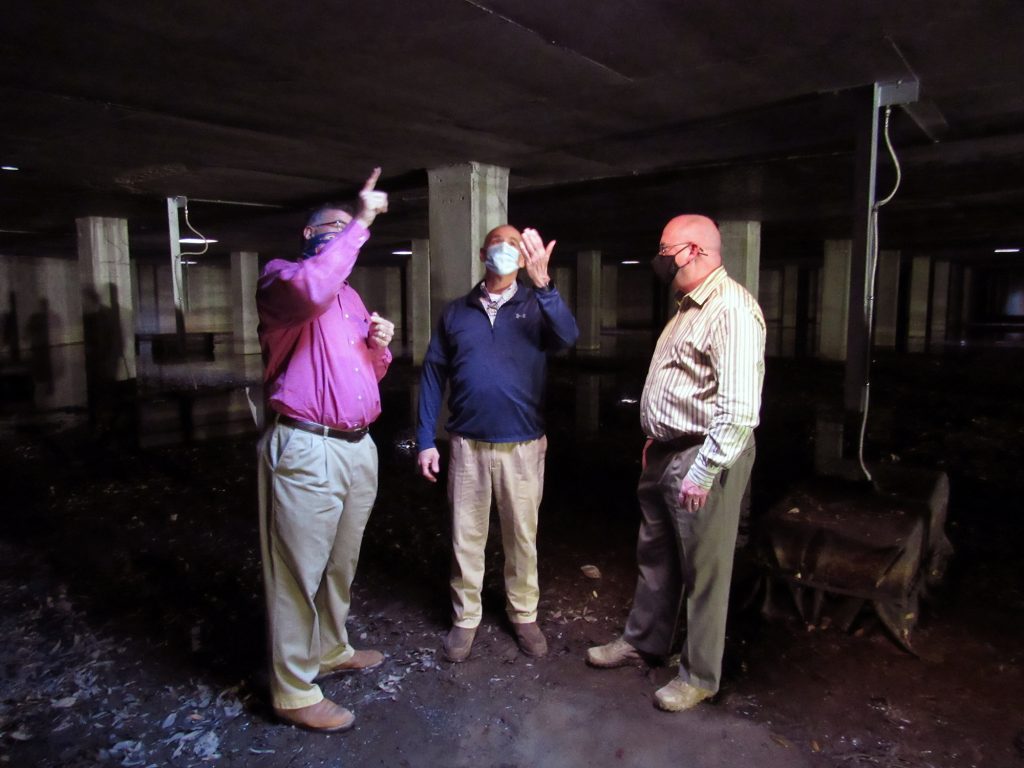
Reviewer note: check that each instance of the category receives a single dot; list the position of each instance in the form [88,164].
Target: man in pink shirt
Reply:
[323,355]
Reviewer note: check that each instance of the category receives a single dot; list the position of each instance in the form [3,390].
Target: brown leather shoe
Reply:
[617,653]
[531,640]
[360,661]
[323,717]
[458,643]
[678,695]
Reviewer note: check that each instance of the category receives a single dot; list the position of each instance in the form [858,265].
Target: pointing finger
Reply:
[372,181]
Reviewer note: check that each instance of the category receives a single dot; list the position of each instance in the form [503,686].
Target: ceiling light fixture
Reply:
[195,240]
[401,253]
[629,262]
[1007,250]
[9,168]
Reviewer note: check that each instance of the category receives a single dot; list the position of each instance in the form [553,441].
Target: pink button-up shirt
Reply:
[313,332]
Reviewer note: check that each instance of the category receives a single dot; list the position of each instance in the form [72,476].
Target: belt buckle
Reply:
[325,430]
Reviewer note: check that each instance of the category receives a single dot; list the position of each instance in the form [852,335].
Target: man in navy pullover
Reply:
[491,347]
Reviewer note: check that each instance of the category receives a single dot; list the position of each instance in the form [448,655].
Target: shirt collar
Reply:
[707,286]
[505,295]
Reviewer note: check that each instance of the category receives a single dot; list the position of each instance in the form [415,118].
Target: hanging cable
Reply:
[206,244]
[869,298]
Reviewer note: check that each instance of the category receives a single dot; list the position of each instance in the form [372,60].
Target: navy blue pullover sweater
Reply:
[497,375]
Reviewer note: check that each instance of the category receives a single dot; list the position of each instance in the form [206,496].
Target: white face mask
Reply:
[502,259]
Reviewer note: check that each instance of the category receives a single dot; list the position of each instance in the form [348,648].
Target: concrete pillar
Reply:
[835,299]
[106,282]
[566,286]
[588,300]
[466,202]
[887,294]
[940,305]
[790,290]
[610,296]
[741,252]
[417,291]
[245,270]
[391,306]
[917,318]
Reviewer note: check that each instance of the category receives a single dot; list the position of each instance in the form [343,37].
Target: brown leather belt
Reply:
[351,435]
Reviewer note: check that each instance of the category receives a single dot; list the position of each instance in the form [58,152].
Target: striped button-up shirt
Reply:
[706,374]
[491,306]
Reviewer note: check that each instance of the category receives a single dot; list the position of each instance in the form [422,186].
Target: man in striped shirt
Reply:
[699,407]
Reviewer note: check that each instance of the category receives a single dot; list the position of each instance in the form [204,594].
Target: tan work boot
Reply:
[458,643]
[323,717]
[359,662]
[617,653]
[678,695]
[531,640]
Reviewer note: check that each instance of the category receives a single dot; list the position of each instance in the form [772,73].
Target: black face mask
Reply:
[665,268]
[315,242]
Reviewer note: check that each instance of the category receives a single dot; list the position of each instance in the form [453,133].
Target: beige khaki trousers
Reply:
[514,474]
[315,496]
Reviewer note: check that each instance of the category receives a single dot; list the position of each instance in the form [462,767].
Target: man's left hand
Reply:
[692,497]
[536,255]
[381,332]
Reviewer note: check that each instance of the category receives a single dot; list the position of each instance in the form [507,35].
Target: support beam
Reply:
[107,313]
[245,269]
[835,300]
[417,276]
[466,202]
[887,294]
[179,292]
[588,300]
[741,252]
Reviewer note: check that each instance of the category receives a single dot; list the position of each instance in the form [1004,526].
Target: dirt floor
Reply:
[131,610]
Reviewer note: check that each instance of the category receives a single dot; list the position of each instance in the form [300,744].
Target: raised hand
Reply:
[371,201]
[537,256]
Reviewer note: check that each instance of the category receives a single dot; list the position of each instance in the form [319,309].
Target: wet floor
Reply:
[132,616]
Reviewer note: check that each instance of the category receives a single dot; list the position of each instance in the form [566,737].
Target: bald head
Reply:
[697,247]
[504,233]
[692,228]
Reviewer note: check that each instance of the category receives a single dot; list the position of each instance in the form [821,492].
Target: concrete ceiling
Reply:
[612,116]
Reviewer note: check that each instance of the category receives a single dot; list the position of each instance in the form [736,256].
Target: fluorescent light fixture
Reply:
[1007,250]
[9,168]
[401,253]
[189,263]
[195,240]
[629,262]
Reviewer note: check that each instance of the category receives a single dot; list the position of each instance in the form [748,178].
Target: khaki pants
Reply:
[514,474]
[315,498]
[685,561]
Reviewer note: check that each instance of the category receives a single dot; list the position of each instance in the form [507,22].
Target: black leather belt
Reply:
[681,443]
[352,435]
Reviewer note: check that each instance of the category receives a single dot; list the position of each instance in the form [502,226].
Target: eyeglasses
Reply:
[336,224]
[667,250]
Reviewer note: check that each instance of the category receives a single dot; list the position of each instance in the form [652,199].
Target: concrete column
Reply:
[917,319]
[391,306]
[940,305]
[417,291]
[566,286]
[106,282]
[741,252]
[887,294]
[588,300]
[835,299]
[790,290]
[466,202]
[609,296]
[245,270]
